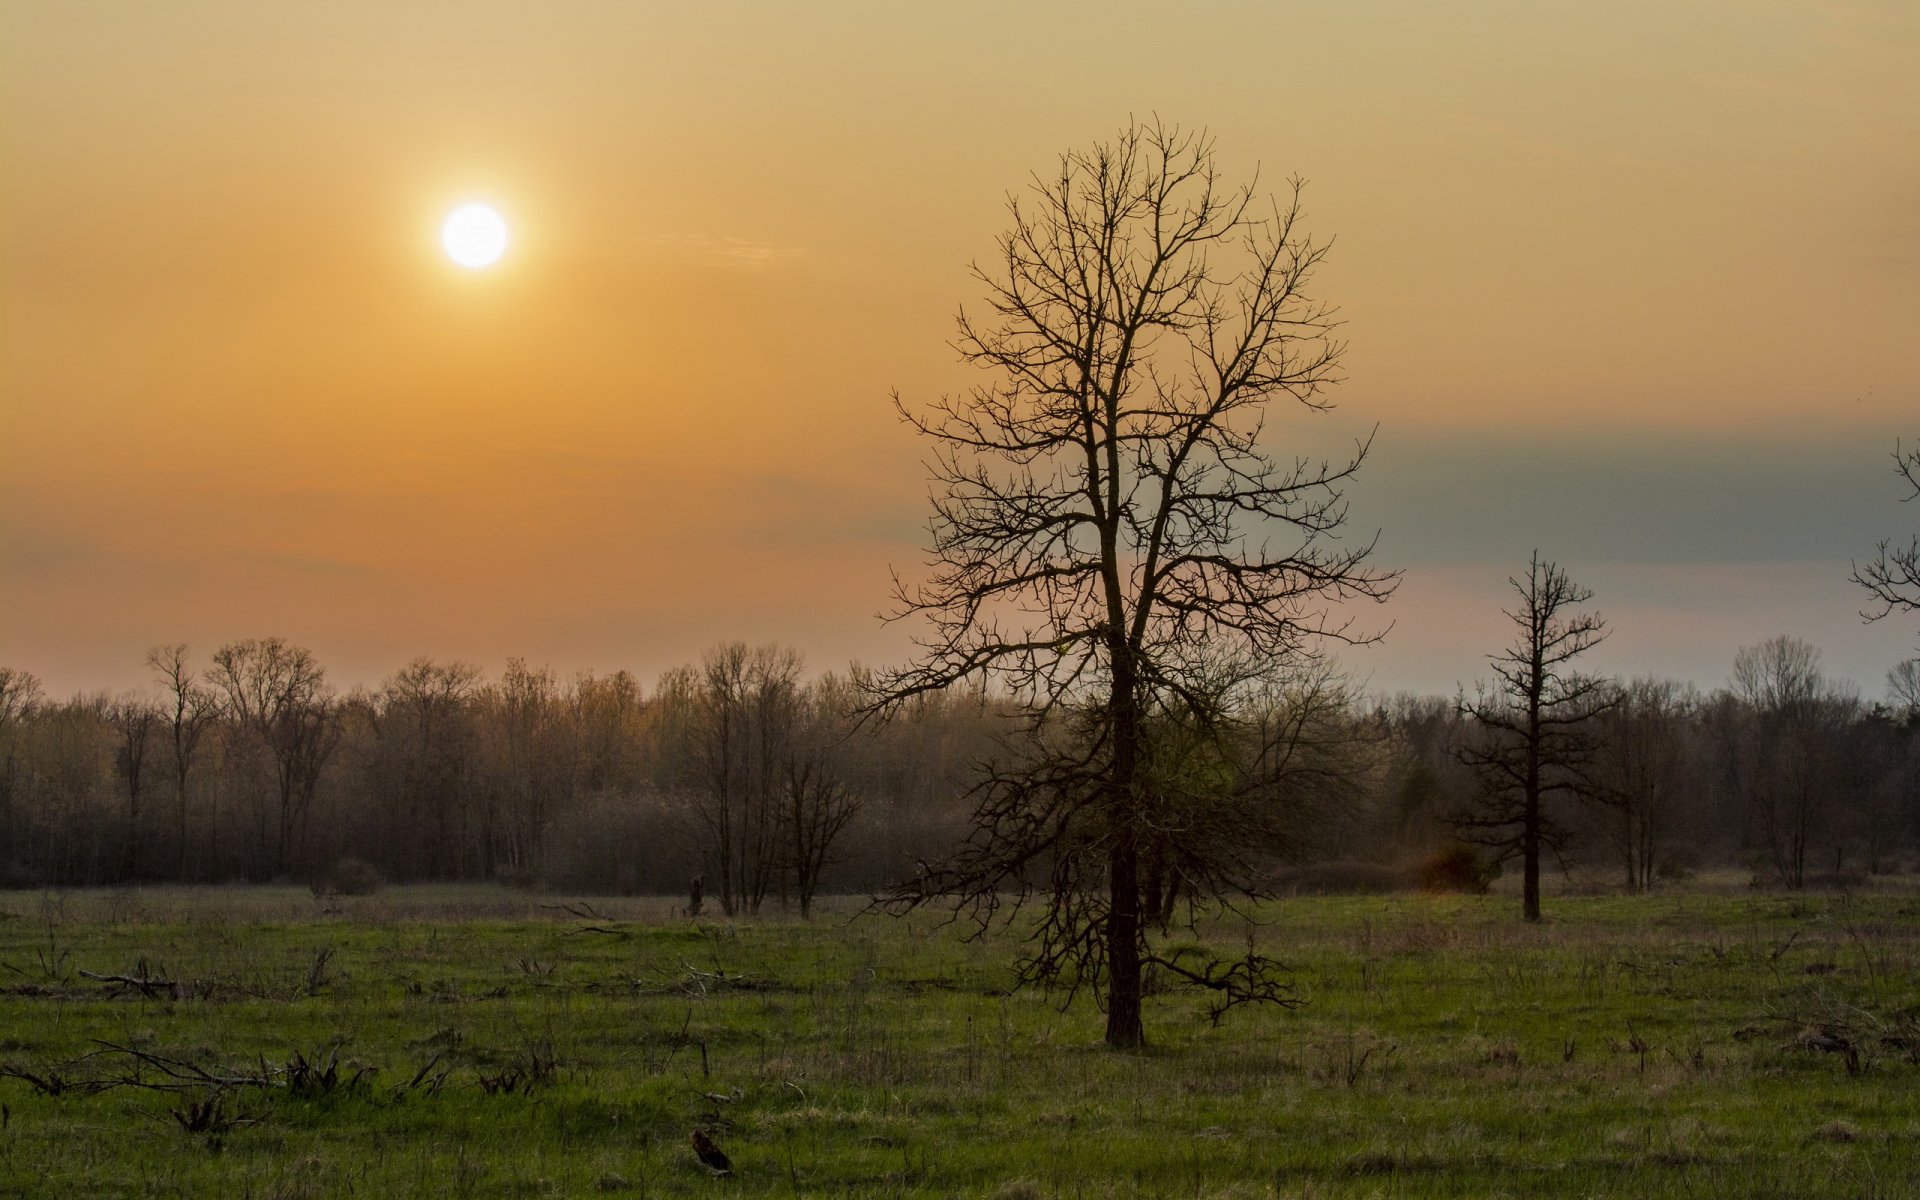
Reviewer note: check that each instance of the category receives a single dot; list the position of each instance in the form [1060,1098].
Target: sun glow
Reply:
[474,236]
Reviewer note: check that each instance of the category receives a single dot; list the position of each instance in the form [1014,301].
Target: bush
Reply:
[1456,868]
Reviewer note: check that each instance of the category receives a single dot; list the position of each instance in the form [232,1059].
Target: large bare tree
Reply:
[1114,542]
[1892,578]
[1533,724]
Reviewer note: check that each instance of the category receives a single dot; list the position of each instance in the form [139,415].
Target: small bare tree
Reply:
[1113,539]
[1534,725]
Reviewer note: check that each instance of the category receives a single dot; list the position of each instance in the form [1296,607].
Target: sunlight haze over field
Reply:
[1635,284]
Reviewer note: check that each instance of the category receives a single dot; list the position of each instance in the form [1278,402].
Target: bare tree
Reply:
[1109,526]
[1535,739]
[1892,578]
[278,694]
[189,710]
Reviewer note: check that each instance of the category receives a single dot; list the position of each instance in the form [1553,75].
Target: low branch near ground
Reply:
[1249,979]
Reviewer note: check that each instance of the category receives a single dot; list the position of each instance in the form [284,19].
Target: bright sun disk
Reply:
[474,236]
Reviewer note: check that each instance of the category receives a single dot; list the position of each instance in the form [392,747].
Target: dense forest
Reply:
[756,776]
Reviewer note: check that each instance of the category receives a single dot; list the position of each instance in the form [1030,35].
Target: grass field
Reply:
[444,1042]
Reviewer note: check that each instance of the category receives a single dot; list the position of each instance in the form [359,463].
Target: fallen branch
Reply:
[148,986]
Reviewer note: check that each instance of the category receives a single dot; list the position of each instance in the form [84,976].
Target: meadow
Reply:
[480,1042]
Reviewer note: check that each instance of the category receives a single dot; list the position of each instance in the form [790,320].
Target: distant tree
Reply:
[135,723]
[20,695]
[1892,578]
[1642,770]
[729,724]
[527,759]
[1903,688]
[423,725]
[608,711]
[1534,725]
[817,801]
[189,710]
[1795,765]
[279,698]
[1271,775]
[1113,540]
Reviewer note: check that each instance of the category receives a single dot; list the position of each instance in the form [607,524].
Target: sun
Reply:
[474,236]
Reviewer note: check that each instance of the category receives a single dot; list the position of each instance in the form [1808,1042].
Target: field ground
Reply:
[448,1042]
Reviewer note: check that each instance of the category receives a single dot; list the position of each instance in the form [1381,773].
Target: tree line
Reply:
[251,765]
[757,777]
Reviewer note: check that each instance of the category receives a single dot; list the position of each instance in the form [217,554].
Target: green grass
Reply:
[1625,1047]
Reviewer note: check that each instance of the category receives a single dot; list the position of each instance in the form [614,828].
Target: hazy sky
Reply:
[1637,284]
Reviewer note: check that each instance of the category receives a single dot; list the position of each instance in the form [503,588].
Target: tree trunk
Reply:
[1530,852]
[1530,814]
[1125,1030]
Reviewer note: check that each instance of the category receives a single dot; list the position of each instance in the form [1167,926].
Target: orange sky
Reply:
[241,392]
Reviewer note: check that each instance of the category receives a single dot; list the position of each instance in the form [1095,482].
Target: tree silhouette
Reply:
[1532,722]
[1114,544]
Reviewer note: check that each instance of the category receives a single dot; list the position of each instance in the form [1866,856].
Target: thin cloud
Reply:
[727,250]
